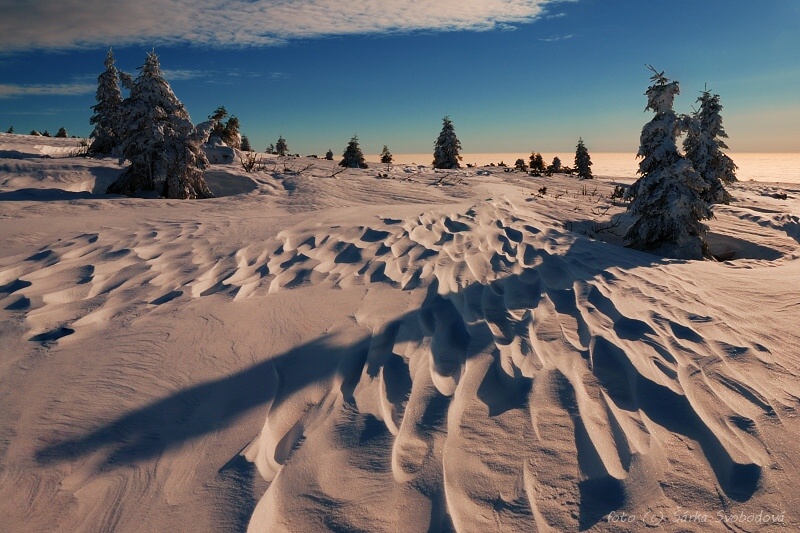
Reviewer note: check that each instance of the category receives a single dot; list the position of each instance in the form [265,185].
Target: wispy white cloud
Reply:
[185,74]
[10,90]
[242,73]
[45,24]
[555,38]
[234,76]
[86,85]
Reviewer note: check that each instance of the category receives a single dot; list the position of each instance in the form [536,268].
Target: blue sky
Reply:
[514,75]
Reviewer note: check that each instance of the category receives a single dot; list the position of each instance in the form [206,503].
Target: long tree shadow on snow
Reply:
[448,323]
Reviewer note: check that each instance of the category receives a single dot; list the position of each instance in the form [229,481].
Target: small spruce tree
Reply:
[218,116]
[281,147]
[537,162]
[583,162]
[160,141]
[329,155]
[555,166]
[62,133]
[227,132]
[231,135]
[667,199]
[10,129]
[46,133]
[107,112]
[386,156]
[447,147]
[703,147]
[352,156]
[536,165]
[520,165]
[245,147]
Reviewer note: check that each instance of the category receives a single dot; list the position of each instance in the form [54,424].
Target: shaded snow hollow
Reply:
[420,351]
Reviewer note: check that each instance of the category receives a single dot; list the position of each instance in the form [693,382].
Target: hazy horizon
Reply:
[758,166]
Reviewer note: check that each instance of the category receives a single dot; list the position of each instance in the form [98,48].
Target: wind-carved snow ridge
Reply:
[540,381]
[784,222]
[535,377]
[97,277]
[480,245]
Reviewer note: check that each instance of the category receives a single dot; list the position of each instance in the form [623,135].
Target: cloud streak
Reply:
[185,74]
[10,90]
[556,38]
[69,24]
[81,87]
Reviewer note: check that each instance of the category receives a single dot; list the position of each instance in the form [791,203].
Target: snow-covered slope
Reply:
[401,351]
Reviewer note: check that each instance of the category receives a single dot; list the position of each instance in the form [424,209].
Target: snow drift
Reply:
[434,351]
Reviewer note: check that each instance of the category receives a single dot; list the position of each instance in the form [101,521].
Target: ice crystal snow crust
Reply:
[385,350]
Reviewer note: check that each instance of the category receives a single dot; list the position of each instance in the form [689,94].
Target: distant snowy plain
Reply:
[766,167]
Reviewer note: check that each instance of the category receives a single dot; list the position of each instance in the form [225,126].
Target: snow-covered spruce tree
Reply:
[62,133]
[667,199]
[217,118]
[446,147]
[160,141]
[106,118]
[386,156]
[352,156]
[583,161]
[231,135]
[703,147]
[281,147]
[227,132]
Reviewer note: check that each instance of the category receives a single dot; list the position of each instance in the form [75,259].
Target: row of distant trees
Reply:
[536,165]
[352,157]
[228,132]
[446,154]
[61,133]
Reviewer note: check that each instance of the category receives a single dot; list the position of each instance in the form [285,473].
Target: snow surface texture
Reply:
[434,351]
